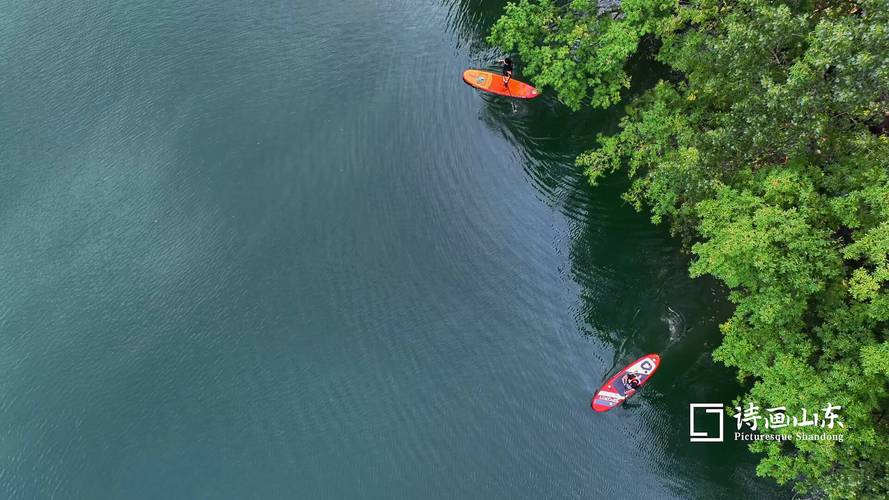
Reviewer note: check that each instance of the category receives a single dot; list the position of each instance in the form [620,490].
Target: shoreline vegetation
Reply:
[766,151]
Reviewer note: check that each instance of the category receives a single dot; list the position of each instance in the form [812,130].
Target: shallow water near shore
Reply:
[279,249]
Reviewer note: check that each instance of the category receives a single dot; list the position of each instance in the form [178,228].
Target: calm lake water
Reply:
[278,249]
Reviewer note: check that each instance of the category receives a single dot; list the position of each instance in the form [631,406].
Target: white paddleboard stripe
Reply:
[610,394]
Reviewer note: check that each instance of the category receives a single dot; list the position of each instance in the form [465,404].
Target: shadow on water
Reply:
[635,294]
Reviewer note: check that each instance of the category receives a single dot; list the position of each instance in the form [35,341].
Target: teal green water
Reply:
[278,249]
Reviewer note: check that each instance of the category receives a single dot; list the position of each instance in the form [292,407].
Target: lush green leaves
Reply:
[570,49]
[769,155]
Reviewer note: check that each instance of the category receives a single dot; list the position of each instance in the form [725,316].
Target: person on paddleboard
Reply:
[506,69]
[631,380]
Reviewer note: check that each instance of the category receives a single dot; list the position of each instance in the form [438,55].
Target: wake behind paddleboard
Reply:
[615,391]
[493,83]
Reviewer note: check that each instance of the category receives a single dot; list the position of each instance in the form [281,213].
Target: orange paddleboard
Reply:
[493,83]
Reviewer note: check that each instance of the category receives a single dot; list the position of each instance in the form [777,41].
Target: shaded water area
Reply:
[279,250]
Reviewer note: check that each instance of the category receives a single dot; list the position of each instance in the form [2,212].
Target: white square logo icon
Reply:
[701,436]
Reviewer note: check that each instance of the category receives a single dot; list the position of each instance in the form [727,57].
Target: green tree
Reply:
[767,153]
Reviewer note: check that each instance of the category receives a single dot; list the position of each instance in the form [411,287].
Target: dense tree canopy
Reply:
[766,150]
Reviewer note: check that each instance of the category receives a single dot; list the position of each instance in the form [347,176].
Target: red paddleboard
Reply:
[616,390]
[493,83]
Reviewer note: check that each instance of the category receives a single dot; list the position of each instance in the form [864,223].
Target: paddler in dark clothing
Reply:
[506,69]
[631,380]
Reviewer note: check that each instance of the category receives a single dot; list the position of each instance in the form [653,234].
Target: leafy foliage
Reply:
[769,156]
[572,50]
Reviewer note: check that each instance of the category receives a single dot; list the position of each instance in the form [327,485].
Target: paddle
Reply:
[506,84]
